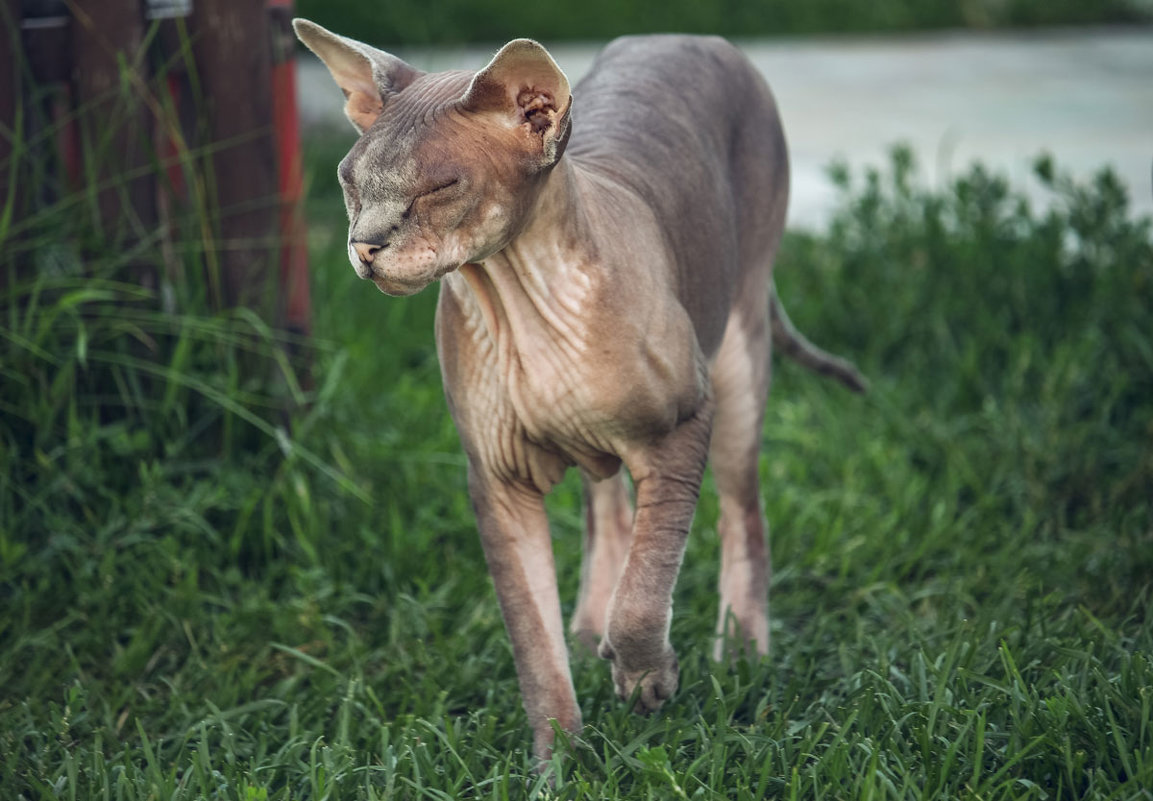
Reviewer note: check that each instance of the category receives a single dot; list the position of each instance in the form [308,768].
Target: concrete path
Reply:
[1085,96]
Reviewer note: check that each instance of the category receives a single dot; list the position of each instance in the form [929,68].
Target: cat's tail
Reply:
[793,344]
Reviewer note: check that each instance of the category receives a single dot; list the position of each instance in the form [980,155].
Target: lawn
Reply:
[200,598]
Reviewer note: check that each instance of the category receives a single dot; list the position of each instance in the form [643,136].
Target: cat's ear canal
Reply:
[367,76]
[526,89]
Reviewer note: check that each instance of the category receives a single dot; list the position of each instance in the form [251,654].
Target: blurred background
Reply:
[992,80]
[461,21]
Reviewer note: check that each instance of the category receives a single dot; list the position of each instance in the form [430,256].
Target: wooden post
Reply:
[10,190]
[233,58]
[115,124]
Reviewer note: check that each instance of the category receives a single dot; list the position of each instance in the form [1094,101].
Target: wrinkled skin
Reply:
[605,260]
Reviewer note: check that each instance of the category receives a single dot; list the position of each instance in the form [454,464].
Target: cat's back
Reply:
[668,96]
[688,126]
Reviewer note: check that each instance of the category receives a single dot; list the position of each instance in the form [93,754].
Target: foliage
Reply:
[196,601]
[455,21]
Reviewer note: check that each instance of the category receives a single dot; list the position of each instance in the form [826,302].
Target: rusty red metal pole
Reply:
[294,243]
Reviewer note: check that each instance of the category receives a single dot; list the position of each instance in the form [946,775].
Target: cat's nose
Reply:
[366,251]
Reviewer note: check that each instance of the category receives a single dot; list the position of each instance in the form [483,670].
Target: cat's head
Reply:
[448,164]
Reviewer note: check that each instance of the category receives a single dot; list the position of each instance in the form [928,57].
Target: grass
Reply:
[197,601]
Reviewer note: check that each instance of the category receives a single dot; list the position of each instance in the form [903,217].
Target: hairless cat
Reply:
[606,301]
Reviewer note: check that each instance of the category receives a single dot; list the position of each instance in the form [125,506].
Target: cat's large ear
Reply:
[525,87]
[367,76]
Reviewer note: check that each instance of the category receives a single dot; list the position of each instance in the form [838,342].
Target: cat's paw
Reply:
[657,680]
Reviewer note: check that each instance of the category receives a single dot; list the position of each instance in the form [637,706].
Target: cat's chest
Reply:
[577,387]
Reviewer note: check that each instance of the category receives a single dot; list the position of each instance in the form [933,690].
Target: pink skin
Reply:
[605,305]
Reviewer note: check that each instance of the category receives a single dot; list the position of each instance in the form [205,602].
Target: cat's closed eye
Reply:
[439,186]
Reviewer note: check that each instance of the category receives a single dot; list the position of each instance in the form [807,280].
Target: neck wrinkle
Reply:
[542,275]
[553,227]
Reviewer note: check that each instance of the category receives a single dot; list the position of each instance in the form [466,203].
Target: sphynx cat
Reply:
[606,302]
